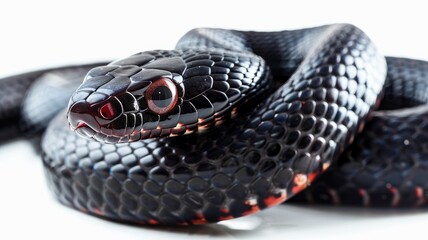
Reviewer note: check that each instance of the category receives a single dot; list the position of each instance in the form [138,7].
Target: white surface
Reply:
[38,34]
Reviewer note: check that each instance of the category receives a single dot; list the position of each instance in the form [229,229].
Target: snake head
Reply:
[158,93]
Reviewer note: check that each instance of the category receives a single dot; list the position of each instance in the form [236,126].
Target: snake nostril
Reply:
[76,112]
[79,116]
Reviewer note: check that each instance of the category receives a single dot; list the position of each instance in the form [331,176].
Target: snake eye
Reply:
[111,109]
[161,96]
[107,111]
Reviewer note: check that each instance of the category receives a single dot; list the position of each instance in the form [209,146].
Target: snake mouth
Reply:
[81,120]
[81,125]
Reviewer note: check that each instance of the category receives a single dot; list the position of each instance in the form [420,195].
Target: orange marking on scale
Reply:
[312,176]
[297,189]
[253,209]
[199,221]
[273,200]
[228,217]
[224,210]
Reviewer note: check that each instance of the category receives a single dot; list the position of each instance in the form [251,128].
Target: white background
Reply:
[38,34]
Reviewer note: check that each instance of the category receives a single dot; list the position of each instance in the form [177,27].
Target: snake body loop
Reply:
[330,78]
[387,165]
[227,124]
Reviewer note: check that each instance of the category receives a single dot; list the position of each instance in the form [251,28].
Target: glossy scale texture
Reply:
[209,85]
[387,165]
[330,78]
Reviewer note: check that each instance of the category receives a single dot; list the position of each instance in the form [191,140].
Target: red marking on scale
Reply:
[419,192]
[334,197]
[81,124]
[297,189]
[200,219]
[395,196]
[420,195]
[153,221]
[98,211]
[228,217]
[274,200]
[366,198]
[253,209]
[312,176]
[224,210]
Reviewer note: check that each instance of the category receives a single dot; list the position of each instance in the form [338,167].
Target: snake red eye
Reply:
[161,96]
[107,111]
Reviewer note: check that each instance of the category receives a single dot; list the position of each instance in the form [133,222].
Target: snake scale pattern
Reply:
[227,124]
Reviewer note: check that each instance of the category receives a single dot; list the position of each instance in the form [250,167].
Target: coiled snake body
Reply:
[201,136]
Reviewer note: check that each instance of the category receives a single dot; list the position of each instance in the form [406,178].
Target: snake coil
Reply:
[225,125]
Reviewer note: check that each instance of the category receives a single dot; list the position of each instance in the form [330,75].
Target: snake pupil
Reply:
[162,97]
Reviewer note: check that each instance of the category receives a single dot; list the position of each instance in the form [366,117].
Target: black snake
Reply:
[227,124]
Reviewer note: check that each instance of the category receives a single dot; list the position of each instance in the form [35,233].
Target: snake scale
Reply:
[227,124]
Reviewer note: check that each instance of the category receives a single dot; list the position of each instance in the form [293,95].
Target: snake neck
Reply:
[333,75]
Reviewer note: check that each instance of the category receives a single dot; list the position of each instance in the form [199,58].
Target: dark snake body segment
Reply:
[333,76]
[387,166]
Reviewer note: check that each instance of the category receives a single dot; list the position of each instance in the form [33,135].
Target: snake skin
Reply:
[256,161]
[387,166]
[211,83]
